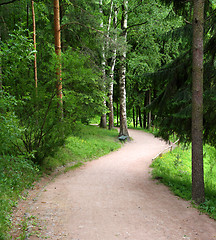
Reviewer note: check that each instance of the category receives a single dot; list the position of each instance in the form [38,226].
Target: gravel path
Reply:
[114,197]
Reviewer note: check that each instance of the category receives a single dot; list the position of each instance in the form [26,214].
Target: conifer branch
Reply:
[213,13]
[83,25]
[187,22]
[4,3]
[138,24]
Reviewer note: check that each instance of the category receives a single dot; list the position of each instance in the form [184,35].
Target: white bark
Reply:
[113,62]
[122,73]
[103,122]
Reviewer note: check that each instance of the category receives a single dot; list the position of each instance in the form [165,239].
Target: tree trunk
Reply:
[134,120]
[57,34]
[0,65]
[117,113]
[140,117]
[144,112]
[34,38]
[103,122]
[137,116]
[27,17]
[198,192]
[149,114]
[122,73]
[113,62]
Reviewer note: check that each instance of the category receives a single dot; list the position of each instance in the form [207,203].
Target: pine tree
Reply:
[57,34]
[198,194]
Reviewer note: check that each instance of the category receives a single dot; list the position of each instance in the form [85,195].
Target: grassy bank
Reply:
[86,143]
[18,174]
[174,170]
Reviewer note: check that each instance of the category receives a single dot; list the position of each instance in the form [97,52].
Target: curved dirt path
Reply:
[114,197]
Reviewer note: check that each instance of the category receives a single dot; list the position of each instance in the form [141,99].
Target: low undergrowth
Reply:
[86,143]
[18,173]
[174,170]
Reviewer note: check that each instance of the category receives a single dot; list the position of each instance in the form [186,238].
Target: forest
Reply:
[143,64]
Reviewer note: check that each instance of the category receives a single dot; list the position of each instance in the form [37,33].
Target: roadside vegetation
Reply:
[17,174]
[174,170]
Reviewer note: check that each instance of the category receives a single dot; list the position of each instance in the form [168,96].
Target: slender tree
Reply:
[122,72]
[103,122]
[112,68]
[198,194]
[0,66]
[35,54]
[149,114]
[57,34]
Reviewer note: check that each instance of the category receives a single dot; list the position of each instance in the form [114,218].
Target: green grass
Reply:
[86,143]
[174,170]
[18,174]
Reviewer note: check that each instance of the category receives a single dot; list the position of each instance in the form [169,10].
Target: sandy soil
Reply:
[114,197]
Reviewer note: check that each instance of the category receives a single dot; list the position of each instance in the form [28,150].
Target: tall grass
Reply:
[174,170]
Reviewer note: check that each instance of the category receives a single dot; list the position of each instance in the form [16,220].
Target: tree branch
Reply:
[187,22]
[7,2]
[138,24]
[83,25]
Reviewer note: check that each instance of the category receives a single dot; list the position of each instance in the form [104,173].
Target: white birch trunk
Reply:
[122,73]
[103,122]
[113,62]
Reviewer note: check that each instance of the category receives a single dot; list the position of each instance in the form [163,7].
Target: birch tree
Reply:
[103,122]
[122,72]
[112,67]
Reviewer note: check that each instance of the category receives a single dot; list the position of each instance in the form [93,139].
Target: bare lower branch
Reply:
[138,24]
[4,3]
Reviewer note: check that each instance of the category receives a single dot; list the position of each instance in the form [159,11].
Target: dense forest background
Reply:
[91,35]
[114,62]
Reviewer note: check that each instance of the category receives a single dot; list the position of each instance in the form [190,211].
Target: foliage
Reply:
[16,57]
[16,174]
[174,170]
[82,87]
[9,124]
[151,49]
[86,143]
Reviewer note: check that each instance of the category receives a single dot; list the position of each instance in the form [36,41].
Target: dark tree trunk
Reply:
[134,121]
[149,114]
[137,115]
[117,113]
[140,117]
[144,112]
[198,193]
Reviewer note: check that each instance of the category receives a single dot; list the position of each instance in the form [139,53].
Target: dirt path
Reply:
[114,197]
